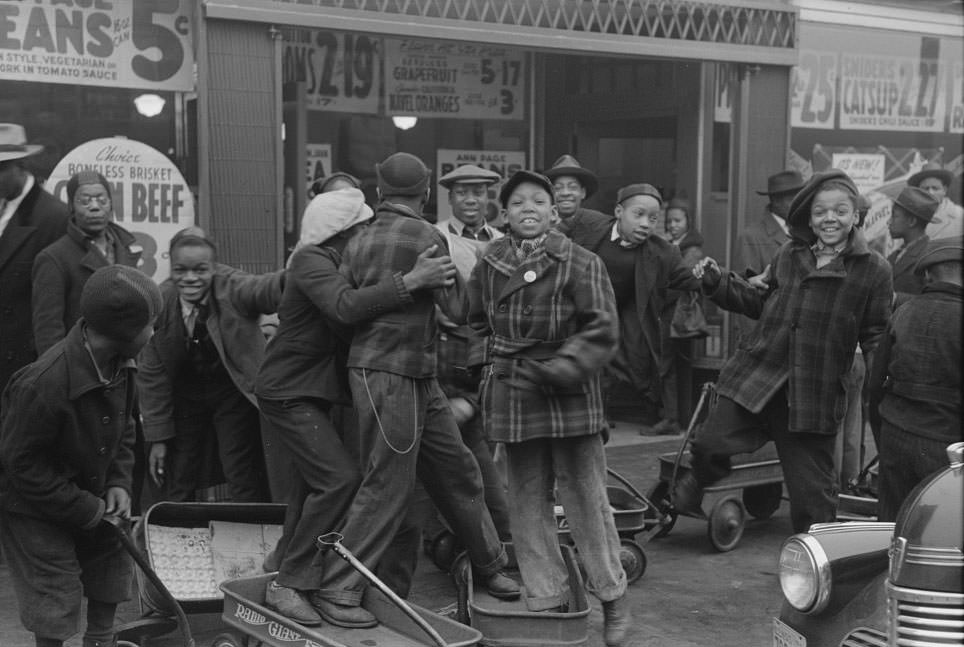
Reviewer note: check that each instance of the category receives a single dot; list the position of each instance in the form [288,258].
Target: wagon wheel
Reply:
[633,559]
[725,526]
[659,496]
[761,501]
[225,640]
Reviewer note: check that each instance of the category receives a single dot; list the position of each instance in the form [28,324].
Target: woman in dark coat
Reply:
[827,292]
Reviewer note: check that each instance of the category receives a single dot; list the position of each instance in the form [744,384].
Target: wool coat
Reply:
[758,244]
[236,300]
[39,220]
[66,437]
[906,282]
[658,268]
[559,302]
[809,324]
[59,274]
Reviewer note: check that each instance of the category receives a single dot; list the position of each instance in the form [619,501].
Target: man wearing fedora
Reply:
[30,219]
[571,186]
[912,212]
[915,380]
[641,266]
[948,220]
[764,235]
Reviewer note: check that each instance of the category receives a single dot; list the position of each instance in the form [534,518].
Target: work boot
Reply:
[271,562]
[291,603]
[687,496]
[499,585]
[342,615]
[616,620]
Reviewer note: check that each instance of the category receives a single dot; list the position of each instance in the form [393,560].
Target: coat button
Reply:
[527,310]
[503,307]
[105,420]
[101,450]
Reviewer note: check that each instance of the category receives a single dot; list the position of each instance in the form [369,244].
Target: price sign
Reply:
[891,93]
[957,98]
[143,44]
[151,199]
[453,80]
[814,84]
[341,71]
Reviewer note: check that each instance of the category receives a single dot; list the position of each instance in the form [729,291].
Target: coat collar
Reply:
[502,258]
[82,374]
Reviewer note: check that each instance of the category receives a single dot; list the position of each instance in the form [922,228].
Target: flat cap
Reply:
[469,174]
[631,190]
[941,250]
[918,203]
[518,178]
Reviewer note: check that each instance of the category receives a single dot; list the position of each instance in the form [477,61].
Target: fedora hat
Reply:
[13,143]
[931,169]
[569,165]
[918,203]
[783,182]
[469,174]
[941,251]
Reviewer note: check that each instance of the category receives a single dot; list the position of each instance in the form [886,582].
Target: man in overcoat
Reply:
[197,375]
[66,455]
[30,219]
[641,267]
[547,311]
[828,291]
[92,241]
[912,212]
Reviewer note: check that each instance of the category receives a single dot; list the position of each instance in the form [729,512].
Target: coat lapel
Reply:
[12,240]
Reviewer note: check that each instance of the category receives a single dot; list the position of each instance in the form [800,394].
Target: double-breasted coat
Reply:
[559,302]
[59,274]
[38,221]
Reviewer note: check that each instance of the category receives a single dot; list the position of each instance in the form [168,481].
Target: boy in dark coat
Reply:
[66,454]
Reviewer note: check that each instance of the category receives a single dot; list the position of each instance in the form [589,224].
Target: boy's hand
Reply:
[708,271]
[430,272]
[155,462]
[118,503]
[558,372]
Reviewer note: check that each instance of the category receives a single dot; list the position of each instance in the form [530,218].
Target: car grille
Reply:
[924,618]
[865,637]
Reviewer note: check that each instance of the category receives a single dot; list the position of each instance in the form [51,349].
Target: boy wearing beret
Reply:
[915,380]
[546,309]
[66,455]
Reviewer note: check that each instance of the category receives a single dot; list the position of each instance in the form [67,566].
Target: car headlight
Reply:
[805,574]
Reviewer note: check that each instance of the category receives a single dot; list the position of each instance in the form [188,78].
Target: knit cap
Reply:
[81,178]
[119,301]
[402,174]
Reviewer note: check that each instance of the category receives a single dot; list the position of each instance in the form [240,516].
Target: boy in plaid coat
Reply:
[827,292]
[547,309]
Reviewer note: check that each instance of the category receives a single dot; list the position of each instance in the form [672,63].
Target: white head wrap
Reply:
[331,213]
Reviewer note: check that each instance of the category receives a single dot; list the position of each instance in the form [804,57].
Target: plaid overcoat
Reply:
[557,303]
[809,325]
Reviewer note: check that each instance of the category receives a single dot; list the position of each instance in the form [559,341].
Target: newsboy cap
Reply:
[119,301]
[469,174]
[518,178]
[941,250]
[918,203]
[799,213]
[631,190]
[402,174]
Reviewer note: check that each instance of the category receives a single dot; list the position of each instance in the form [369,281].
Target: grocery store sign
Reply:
[891,93]
[151,199]
[107,43]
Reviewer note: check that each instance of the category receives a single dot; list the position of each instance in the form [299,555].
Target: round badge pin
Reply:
[529,276]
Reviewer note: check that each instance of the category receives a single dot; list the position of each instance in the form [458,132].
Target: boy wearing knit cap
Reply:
[92,240]
[66,455]
[404,421]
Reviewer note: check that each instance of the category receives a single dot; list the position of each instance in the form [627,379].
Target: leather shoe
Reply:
[271,562]
[616,621]
[662,428]
[350,617]
[499,585]
[291,603]
[687,496]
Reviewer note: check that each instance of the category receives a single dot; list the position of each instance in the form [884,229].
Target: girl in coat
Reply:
[547,309]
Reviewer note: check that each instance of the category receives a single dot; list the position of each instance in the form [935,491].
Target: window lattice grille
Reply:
[680,20]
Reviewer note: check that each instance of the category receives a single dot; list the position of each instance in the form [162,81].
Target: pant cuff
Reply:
[543,603]
[611,592]
[343,597]
[496,565]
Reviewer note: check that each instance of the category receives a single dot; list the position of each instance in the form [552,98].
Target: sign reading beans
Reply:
[150,197]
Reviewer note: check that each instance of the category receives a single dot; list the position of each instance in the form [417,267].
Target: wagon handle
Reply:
[119,526]
[704,392]
[333,540]
[622,479]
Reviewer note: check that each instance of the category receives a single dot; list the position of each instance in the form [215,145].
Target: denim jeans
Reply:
[323,480]
[906,459]
[406,427]
[576,467]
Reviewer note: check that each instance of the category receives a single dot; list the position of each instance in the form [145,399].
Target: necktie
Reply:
[191,320]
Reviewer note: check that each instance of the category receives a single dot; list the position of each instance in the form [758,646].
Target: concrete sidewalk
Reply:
[634,456]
